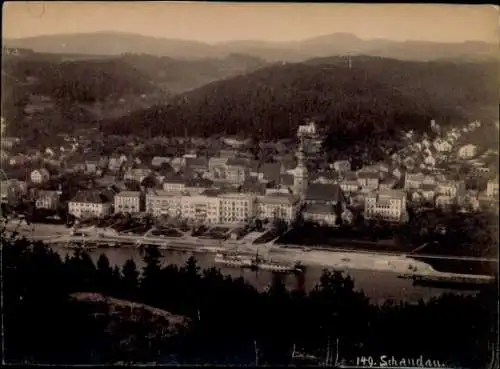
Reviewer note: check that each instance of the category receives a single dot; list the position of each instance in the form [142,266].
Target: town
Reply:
[224,188]
[251,185]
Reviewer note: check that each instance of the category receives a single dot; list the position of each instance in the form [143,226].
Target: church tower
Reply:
[300,180]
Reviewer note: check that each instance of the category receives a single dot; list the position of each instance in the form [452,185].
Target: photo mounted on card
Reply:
[257,184]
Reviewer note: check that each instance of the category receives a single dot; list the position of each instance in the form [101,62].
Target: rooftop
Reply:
[318,209]
[428,187]
[324,192]
[278,198]
[174,178]
[92,197]
[199,183]
[238,162]
[129,194]
[367,175]
[154,192]
[197,162]
[388,194]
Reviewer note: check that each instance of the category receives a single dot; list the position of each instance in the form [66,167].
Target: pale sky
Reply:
[215,22]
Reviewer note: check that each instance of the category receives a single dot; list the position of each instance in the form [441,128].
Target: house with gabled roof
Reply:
[137,173]
[91,203]
[174,183]
[40,175]
[270,172]
[320,193]
[157,161]
[237,170]
[46,199]
[320,213]
[195,186]
[197,165]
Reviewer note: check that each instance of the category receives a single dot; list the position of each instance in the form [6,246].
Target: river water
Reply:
[377,285]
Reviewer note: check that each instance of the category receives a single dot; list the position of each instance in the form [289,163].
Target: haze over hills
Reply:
[116,43]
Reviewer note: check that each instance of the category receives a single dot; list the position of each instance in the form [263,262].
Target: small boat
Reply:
[272,265]
[232,260]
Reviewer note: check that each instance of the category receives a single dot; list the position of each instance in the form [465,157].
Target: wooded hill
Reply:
[374,96]
[72,80]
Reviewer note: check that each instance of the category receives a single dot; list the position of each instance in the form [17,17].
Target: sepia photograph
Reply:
[249,184]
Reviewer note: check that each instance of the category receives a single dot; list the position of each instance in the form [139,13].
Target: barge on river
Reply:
[233,260]
[257,263]
[450,280]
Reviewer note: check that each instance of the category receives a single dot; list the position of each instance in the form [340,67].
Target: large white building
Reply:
[90,204]
[388,205]
[283,206]
[205,208]
[164,203]
[236,207]
[321,214]
[128,202]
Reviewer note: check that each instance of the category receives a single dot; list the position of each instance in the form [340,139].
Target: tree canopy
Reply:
[231,322]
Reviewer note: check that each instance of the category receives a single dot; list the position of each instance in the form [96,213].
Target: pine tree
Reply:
[191,267]
[129,280]
[104,275]
[150,281]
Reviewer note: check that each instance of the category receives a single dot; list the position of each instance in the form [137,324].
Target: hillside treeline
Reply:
[372,97]
[78,81]
[231,323]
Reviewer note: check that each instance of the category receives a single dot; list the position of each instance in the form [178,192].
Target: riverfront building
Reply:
[388,205]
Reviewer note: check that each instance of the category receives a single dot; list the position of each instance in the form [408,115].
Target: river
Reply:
[379,286]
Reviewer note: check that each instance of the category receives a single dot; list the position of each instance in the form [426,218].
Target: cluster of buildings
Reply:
[225,189]
[232,187]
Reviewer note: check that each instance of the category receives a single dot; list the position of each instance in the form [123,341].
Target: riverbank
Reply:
[339,259]
[379,286]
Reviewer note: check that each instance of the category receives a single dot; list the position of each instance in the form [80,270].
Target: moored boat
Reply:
[276,266]
[449,279]
[232,260]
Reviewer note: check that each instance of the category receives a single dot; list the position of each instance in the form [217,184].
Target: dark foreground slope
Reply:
[373,96]
[229,321]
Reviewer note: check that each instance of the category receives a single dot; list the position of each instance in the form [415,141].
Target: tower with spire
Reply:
[300,179]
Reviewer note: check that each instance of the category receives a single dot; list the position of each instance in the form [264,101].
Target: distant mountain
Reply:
[115,43]
[374,98]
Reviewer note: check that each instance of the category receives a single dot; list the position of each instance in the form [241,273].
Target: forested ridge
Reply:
[78,80]
[73,81]
[374,96]
[229,318]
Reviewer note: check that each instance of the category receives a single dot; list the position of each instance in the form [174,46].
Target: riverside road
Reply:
[60,234]
[373,273]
